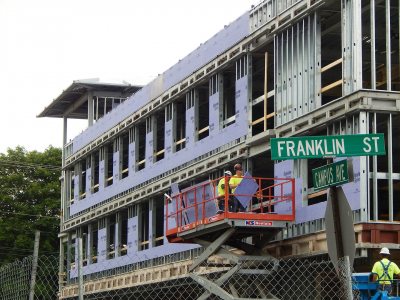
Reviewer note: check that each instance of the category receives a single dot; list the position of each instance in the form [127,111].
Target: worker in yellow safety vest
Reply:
[221,191]
[233,184]
[384,270]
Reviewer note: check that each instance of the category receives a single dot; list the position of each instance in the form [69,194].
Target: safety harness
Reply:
[385,274]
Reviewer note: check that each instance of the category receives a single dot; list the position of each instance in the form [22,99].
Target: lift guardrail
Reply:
[273,200]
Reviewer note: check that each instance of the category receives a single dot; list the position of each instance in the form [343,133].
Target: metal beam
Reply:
[221,251]
[90,108]
[215,289]
[108,94]
[220,281]
[212,288]
[212,248]
[75,105]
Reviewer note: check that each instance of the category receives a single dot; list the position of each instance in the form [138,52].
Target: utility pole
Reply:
[80,267]
[34,265]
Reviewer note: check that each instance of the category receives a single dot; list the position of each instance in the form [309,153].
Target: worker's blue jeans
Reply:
[233,203]
[237,206]
[385,287]
[221,204]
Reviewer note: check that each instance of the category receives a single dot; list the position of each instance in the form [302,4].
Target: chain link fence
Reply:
[253,277]
[15,279]
[170,277]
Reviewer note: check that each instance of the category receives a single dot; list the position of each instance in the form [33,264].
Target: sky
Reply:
[47,44]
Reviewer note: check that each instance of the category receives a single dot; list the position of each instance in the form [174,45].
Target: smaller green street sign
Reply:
[330,175]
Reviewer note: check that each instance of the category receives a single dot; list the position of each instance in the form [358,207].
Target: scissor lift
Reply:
[193,216]
[368,290]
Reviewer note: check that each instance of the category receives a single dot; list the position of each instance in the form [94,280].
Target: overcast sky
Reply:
[46,44]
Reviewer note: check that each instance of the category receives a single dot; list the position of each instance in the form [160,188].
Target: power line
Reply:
[14,254]
[22,214]
[25,164]
[28,232]
[29,165]
[21,255]
[17,250]
[31,231]
[25,250]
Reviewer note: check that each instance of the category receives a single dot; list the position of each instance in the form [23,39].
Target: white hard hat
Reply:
[384,250]
[229,173]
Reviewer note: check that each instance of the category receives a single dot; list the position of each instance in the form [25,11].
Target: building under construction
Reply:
[139,184]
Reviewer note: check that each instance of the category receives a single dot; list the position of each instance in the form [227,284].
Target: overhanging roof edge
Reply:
[87,85]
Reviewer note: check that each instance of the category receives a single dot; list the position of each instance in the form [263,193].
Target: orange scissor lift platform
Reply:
[193,213]
[193,216]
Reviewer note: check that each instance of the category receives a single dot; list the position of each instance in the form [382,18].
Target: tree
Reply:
[29,201]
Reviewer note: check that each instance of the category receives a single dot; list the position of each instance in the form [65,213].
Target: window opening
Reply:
[144,226]
[109,164]
[180,124]
[72,186]
[132,211]
[82,180]
[123,239]
[396,200]
[149,125]
[64,258]
[168,112]
[160,135]
[331,53]
[383,200]
[103,105]
[125,155]
[241,67]
[190,99]
[203,112]
[214,88]
[108,104]
[94,242]
[72,251]
[382,122]
[111,237]
[85,246]
[395,141]
[96,171]
[159,221]
[132,134]
[378,123]
[263,109]
[228,97]
[141,154]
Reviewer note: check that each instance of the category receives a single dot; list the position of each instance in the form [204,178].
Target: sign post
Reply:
[338,214]
[339,227]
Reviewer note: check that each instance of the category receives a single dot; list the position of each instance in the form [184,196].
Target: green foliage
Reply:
[29,201]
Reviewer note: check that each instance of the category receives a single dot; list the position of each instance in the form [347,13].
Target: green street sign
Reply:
[327,146]
[330,175]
